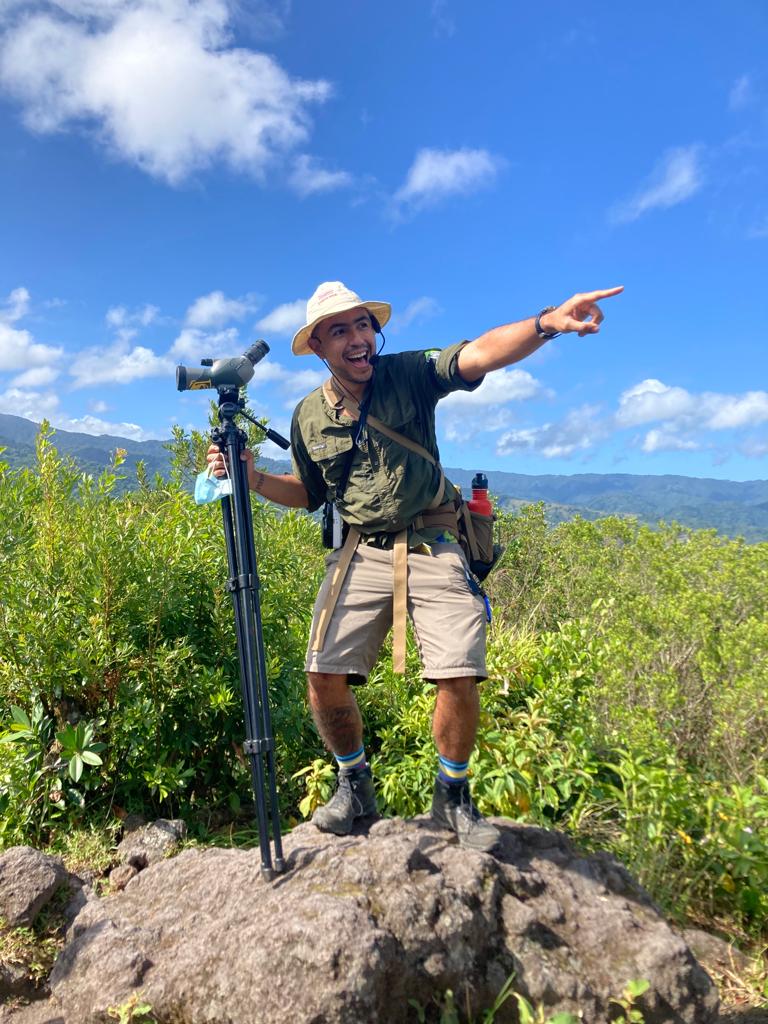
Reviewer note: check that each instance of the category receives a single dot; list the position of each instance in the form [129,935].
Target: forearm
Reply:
[499,347]
[285,489]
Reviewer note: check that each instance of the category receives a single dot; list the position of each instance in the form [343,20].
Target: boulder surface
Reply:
[28,880]
[359,926]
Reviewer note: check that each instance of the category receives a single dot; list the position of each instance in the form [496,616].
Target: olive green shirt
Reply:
[388,485]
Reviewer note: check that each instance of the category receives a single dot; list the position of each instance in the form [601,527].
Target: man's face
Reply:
[346,341]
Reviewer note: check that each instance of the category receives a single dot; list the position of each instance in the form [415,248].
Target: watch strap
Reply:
[545,335]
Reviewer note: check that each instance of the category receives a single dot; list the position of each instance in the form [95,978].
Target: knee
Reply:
[325,682]
[464,686]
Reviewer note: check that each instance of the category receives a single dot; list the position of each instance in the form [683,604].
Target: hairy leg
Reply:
[335,712]
[454,723]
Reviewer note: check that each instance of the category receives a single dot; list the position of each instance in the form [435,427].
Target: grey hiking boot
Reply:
[452,808]
[354,799]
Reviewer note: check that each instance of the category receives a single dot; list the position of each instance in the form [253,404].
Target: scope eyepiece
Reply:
[222,373]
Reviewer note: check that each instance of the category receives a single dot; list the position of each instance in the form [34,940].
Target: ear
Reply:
[315,345]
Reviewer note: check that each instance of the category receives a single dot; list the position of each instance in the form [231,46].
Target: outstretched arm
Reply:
[285,490]
[513,342]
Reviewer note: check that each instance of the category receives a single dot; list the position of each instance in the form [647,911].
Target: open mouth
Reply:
[359,358]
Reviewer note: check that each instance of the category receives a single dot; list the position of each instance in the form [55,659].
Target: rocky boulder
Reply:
[359,926]
[28,880]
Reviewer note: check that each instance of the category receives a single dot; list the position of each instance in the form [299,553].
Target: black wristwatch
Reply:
[545,335]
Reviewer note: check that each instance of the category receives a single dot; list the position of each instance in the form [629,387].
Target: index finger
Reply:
[605,294]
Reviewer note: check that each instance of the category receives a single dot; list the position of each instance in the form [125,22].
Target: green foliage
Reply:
[132,1011]
[119,682]
[626,701]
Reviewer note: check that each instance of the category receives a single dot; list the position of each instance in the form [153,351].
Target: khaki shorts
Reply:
[448,618]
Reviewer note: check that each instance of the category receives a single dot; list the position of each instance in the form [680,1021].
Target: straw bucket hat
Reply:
[333,297]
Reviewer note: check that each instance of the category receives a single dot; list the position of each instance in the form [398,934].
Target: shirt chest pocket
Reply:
[330,453]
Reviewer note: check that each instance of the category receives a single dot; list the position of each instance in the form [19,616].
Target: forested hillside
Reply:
[733,508]
[626,704]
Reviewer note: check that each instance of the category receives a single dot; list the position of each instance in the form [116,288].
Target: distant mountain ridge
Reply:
[732,507]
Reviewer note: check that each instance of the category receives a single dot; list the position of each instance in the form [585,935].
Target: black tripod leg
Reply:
[243,584]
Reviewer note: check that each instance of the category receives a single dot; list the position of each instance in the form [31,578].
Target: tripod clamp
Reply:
[243,585]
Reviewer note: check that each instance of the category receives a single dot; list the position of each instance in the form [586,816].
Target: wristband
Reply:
[541,333]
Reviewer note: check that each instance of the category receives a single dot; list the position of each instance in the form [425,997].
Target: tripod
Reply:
[243,584]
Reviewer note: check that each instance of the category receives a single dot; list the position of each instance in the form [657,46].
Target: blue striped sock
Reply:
[452,772]
[351,762]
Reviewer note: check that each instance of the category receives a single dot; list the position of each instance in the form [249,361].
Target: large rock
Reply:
[360,925]
[148,844]
[28,880]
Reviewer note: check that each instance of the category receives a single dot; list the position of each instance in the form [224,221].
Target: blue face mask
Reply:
[211,488]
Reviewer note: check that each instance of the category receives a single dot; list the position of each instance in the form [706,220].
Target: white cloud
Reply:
[31,405]
[308,177]
[37,377]
[651,400]
[192,345]
[118,364]
[438,173]
[676,177]
[292,384]
[215,309]
[285,319]
[15,306]
[726,412]
[667,440]
[578,431]
[742,93]
[19,351]
[159,81]
[416,312]
[119,317]
[498,388]
[94,425]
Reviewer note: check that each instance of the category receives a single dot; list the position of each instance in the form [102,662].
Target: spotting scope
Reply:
[221,373]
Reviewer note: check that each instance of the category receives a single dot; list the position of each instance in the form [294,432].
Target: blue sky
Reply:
[178,176]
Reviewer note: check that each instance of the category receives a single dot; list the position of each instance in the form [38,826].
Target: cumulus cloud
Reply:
[289,383]
[118,364]
[498,388]
[120,317]
[15,306]
[31,405]
[439,173]
[308,177]
[159,84]
[285,319]
[651,401]
[676,177]
[192,344]
[463,415]
[37,377]
[668,440]
[19,350]
[416,312]
[215,309]
[578,431]
[94,425]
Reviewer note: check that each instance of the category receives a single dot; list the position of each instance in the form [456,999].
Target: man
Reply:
[384,487]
